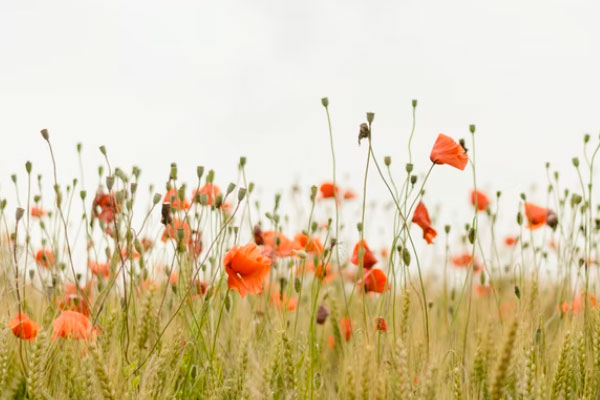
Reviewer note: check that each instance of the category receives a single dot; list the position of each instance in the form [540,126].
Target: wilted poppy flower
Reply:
[309,244]
[368,257]
[282,302]
[246,269]
[24,328]
[381,324]
[71,324]
[328,191]
[375,281]
[479,200]
[510,240]
[322,314]
[210,190]
[99,269]
[346,326]
[172,197]
[536,215]
[44,258]
[283,245]
[421,218]
[37,212]
[447,151]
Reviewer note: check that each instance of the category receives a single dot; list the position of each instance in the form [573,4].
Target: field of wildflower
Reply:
[198,290]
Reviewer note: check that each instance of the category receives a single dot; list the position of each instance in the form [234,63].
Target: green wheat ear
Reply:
[504,363]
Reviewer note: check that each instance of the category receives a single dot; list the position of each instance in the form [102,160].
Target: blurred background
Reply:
[203,83]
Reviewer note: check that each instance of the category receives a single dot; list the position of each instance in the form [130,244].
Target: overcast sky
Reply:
[204,82]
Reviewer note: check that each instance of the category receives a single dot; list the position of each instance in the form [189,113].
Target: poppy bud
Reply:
[19,213]
[325,102]
[173,173]
[210,177]
[498,194]
[219,200]
[297,285]
[110,181]
[242,161]
[575,161]
[230,188]
[314,226]
[364,132]
[313,192]
[413,179]
[414,103]
[103,150]
[250,187]
[133,187]
[45,134]
[370,117]
[387,160]
[575,199]
[586,138]
[519,218]
[227,301]
[13,178]
[406,256]
[472,128]
[523,197]
[241,194]
[551,219]
[359,226]
[2,204]
[409,168]
[471,235]
[28,167]
[447,229]
[322,314]
[517,292]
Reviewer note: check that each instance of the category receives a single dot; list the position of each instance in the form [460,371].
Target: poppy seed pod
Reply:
[322,314]
[45,134]
[551,219]
[166,218]
[325,102]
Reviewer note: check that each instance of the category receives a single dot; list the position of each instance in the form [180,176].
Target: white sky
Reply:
[202,83]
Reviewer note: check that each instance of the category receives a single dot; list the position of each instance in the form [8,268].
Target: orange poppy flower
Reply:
[311,245]
[99,269]
[447,151]
[246,269]
[134,254]
[510,240]
[71,324]
[375,281]
[327,273]
[174,278]
[44,258]
[24,328]
[381,324]
[421,218]
[328,191]
[105,207]
[536,215]
[346,326]
[579,302]
[210,190]
[283,303]
[172,197]
[480,200]
[331,341]
[483,291]
[369,258]
[462,260]
[283,245]
[563,307]
[171,229]
[38,212]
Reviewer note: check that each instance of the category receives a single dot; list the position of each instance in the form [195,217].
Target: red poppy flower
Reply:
[283,245]
[311,245]
[328,191]
[246,269]
[73,302]
[480,200]
[346,326]
[38,212]
[44,258]
[171,229]
[510,240]
[24,328]
[210,190]
[368,256]
[105,207]
[421,218]
[350,195]
[447,151]
[172,197]
[99,269]
[282,302]
[536,215]
[375,281]
[71,324]
[381,324]
[462,260]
